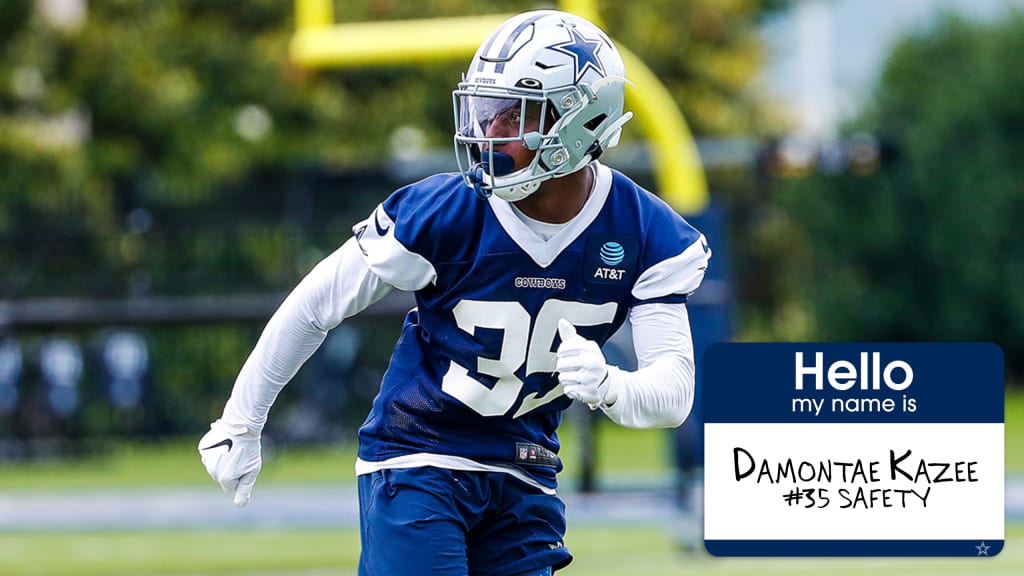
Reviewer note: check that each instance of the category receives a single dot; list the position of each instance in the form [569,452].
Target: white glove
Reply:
[582,369]
[233,457]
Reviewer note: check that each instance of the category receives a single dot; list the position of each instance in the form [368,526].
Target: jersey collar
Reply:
[542,252]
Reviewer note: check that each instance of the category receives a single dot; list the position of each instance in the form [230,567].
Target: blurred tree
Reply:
[169,148]
[706,52]
[930,247]
[175,108]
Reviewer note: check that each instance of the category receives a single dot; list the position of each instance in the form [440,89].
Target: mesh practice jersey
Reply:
[472,375]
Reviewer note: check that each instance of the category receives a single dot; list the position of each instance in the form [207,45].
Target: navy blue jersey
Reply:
[472,375]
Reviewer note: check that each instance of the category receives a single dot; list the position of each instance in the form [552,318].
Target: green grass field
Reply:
[601,550]
[622,455]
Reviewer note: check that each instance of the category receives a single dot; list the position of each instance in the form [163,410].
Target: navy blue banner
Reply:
[975,548]
[853,383]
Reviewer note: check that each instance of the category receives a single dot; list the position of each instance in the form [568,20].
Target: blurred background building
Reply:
[825,56]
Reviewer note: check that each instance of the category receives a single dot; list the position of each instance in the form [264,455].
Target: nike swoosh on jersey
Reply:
[225,442]
[381,231]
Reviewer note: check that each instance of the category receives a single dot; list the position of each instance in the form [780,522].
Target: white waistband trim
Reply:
[443,461]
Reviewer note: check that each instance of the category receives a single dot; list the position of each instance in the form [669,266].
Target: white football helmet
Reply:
[542,64]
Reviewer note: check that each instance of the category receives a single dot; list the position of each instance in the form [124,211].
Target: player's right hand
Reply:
[582,369]
[233,457]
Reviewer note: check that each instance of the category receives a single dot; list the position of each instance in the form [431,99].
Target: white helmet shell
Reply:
[548,65]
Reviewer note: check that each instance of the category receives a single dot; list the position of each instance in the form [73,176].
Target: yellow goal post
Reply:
[320,42]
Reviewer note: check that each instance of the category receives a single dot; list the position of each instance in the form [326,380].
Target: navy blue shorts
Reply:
[439,522]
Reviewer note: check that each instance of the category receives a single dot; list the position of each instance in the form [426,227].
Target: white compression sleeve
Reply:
[340,286]
[659,394]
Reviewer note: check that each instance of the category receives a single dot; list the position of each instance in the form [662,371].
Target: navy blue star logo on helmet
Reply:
[583,51]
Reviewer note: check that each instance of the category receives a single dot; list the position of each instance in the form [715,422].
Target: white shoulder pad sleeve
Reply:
[340,286]
[681,274]
[659,394]
[388,257]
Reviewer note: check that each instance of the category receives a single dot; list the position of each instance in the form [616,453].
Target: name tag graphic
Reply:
[866,449]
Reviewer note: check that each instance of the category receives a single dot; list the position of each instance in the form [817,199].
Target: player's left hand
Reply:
[582,369]
[233,457]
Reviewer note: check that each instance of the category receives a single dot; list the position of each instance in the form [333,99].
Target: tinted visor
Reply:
[498,118]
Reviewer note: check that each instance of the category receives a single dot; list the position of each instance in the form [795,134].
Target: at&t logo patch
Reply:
[610,260]
[612,253]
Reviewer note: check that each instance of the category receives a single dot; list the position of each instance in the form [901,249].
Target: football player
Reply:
[523,264]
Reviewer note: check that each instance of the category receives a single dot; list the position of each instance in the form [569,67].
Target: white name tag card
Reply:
[863,449]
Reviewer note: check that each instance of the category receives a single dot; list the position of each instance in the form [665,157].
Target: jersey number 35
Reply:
[518,346]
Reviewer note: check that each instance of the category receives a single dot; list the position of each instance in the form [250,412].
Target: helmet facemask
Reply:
[486,119]
[555,82]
